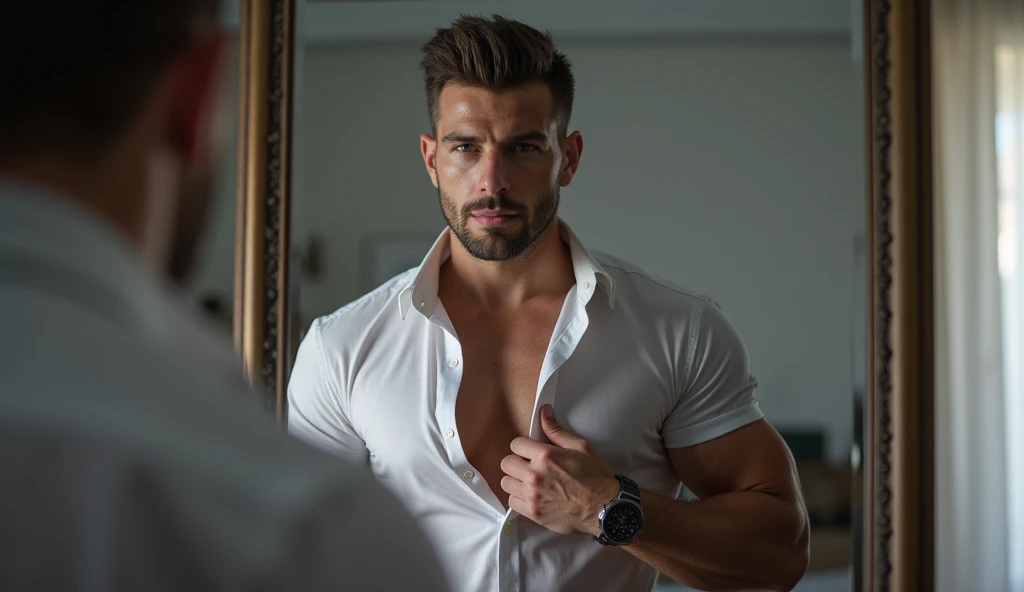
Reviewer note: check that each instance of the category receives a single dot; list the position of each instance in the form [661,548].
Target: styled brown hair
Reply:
[496,54]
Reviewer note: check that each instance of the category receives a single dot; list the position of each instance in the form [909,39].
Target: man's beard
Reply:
[189,224]
[499,243]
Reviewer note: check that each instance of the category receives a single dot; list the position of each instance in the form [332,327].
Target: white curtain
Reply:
[1010,166]
[978,53]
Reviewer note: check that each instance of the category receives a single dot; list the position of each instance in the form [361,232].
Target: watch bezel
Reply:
[611,506]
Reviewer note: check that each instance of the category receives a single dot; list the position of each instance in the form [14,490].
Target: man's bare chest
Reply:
[500,379]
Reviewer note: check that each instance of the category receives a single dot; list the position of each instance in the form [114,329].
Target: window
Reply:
[1010,164]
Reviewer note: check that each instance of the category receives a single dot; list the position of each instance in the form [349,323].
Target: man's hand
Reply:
[561,487]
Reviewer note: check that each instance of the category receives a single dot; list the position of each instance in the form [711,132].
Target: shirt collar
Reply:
[421,293]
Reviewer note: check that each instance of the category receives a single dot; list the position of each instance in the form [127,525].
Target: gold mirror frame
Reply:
[896,550]
[262,233]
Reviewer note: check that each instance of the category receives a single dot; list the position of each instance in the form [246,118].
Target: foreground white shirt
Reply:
[132,454]
[635,366]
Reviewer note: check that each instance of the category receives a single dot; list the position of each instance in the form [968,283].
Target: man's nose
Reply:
[493,174]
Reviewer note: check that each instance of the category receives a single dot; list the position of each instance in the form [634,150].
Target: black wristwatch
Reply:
[622,519]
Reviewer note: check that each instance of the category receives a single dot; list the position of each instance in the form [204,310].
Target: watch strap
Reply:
[628,489]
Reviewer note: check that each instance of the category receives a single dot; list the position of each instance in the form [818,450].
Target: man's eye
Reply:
[525,148]
[463,147]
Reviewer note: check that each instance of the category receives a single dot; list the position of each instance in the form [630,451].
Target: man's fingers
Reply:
[513,487]
[520,506]
[530,449]
[515,466]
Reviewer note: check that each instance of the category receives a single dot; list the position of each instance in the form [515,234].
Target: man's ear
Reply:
[197,85]
[428,147]
[572,151]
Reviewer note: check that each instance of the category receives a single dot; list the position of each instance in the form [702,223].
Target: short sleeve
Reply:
[317,410]
[717,394]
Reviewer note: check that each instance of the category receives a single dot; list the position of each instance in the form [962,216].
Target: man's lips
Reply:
[494,217]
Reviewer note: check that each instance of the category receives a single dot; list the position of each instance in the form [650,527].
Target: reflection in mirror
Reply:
[210,287]
[722,154]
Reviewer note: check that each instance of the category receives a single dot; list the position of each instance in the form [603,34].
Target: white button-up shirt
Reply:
[133,456]
[635,365]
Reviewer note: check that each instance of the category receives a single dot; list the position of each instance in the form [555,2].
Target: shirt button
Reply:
[422,304]
[508,528]
[586,286]
[453,363]
[450,433]
[468,474]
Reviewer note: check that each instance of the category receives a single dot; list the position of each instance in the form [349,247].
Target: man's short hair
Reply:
[496,54]
[73,75]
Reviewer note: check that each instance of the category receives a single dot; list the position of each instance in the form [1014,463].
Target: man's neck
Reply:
[544,270]
[109,197]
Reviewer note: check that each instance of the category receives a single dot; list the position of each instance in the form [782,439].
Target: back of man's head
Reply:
[105,100]
[73,75]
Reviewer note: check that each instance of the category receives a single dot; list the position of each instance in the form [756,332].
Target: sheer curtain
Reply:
[1010,167]
[978,52]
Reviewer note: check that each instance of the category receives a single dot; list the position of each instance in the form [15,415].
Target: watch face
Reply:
[622,522]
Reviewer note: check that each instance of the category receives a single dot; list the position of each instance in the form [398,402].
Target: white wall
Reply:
[732,167]
[373,20]
[216,258]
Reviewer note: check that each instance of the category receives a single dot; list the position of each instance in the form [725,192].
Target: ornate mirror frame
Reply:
[899,420]
[895,551]
[262,218]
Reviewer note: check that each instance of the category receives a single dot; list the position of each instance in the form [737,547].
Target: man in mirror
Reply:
[132,454]
[535,404]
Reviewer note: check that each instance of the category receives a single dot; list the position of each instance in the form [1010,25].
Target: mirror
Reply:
[211,286]
[894,435]
[724,152]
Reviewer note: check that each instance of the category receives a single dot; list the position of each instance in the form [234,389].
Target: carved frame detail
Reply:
[264,197]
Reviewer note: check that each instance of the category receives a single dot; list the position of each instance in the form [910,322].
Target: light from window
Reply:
[1010,162]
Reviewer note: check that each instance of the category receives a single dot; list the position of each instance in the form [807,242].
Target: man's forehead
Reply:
[529,105]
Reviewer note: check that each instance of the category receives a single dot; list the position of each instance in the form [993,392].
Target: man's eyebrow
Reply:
[531,136]
[534,136]
[539,136]
[461,138]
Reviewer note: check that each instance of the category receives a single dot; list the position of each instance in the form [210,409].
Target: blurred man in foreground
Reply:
[129,457]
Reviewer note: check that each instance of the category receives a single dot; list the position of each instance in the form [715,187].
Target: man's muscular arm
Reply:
[750,529]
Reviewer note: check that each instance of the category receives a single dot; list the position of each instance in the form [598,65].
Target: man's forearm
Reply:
[731,541]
